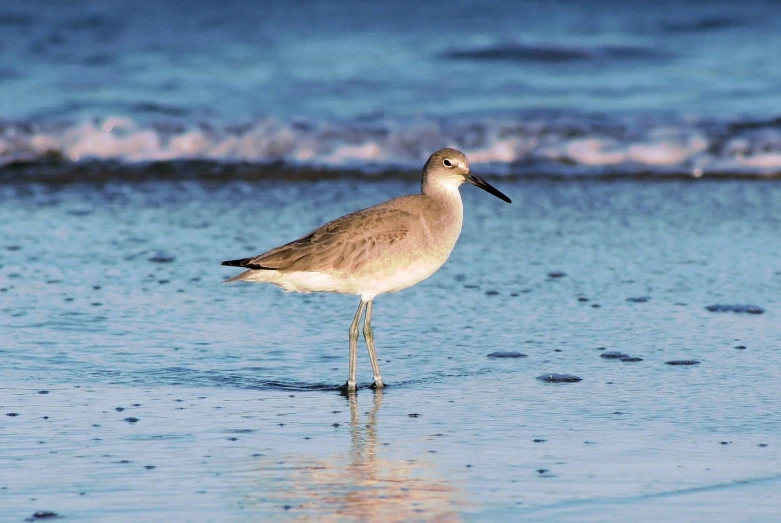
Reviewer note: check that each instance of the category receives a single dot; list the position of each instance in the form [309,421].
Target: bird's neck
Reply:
[445,190]
[445,193]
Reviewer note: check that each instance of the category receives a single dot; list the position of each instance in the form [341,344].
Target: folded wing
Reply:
[341,245]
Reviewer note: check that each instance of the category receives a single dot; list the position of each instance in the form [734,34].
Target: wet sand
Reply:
[135,386]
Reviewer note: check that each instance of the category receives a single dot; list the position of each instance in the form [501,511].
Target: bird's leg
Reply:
[351,386]
[368,335]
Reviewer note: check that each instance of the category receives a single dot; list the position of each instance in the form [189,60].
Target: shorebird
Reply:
[385,248]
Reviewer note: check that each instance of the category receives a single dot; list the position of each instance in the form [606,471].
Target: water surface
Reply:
[111,311]
[558,87]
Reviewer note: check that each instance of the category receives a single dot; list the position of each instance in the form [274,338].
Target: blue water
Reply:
[111,309]
[544,87]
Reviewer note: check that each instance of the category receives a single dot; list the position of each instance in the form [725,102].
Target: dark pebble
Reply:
[539,440]
[726,442]
[762,445]
[631,359]
[495,355]
[638,299]
[491,293]
[162,259]
[413,415]
[287,507]
[595,305]
[740,347]
[583,299]
[559,378]
[748,309]
[682,362]
[12,414]
[119,409]
[150,467]
[556,274]
[614,355]
[542,471]
[45,514]
[43,392]
[334,424]
[131,419]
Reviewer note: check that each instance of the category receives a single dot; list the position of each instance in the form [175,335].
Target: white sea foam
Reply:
[557,147]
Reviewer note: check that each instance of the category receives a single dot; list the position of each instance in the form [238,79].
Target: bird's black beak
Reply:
[487,187]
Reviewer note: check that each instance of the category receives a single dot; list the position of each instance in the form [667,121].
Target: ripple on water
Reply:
[506,355]
[614,355]
[747,309]
[156,437]
[559,378]
[682,362]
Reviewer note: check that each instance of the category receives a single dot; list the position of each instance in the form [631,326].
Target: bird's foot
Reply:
[377,383]
[348,387]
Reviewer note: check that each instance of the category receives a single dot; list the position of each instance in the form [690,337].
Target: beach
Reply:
[136,386]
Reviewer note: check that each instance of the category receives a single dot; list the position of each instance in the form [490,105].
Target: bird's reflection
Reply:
[362,484]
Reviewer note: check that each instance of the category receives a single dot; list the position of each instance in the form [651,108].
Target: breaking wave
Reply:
[556,146]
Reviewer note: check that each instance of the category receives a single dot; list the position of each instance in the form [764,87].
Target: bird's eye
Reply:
[447,163]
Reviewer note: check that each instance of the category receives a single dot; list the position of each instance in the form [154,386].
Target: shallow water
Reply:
[110,302]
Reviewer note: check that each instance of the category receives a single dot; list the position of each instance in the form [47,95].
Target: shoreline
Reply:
[59,172]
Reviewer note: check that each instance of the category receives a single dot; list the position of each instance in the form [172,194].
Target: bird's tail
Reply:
[254,272]
[237,263]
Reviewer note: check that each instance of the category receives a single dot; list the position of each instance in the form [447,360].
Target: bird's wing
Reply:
[341,245]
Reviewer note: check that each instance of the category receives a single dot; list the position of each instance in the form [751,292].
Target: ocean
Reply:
[537,88]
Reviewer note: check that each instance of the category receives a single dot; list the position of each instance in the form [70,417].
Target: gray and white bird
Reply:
[385,248]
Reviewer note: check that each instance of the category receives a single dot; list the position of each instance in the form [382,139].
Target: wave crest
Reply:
[548,146]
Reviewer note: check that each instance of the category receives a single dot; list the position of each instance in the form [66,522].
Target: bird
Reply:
[374,251]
